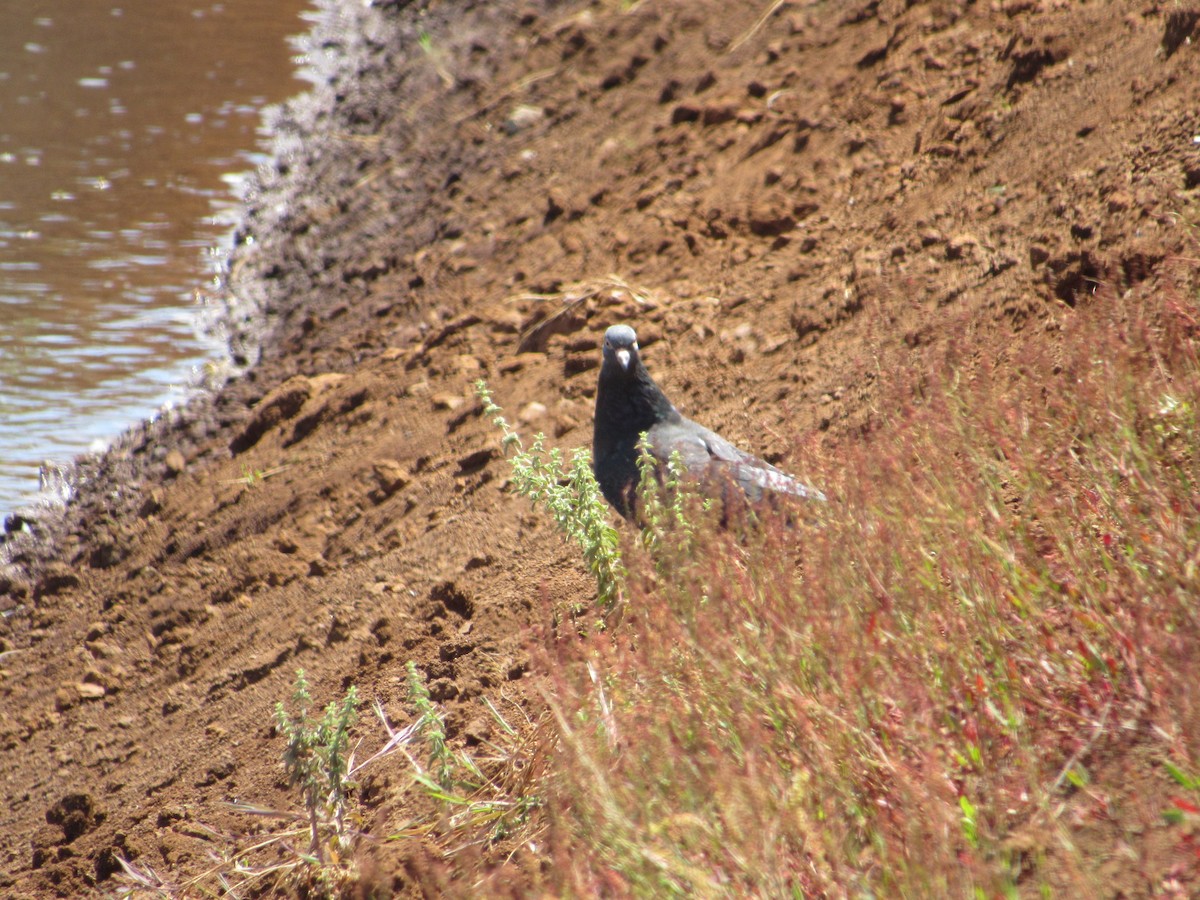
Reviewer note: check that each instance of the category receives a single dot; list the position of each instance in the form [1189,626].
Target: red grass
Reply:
[985,641]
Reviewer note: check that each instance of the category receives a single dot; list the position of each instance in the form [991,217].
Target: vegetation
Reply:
[479,801]
[570,494]
[980,652]
[319,761]
[474,801]
[983,646]
[316,761]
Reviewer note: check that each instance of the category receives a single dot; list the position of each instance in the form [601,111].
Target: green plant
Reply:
[571,495]
[1183,809]
[429,725]
[926,695]
[663,503]
[316,761]
[478,800]
[319,761]
[471,793]
[436,58]
[253,477]
[970,823]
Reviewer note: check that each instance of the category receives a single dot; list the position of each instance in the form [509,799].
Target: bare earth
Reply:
[790,202]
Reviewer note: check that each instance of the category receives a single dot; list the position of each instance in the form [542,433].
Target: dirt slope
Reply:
[790,201]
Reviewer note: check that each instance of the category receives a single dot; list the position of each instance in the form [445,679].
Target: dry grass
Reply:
[972,677]
[984,650]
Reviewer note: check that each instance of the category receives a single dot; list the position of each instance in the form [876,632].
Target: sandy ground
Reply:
[789,201]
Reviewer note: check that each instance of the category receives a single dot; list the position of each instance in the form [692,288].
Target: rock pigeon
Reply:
[629,404]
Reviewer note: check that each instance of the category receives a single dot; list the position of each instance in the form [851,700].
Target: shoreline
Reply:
[95,356]
[116,480]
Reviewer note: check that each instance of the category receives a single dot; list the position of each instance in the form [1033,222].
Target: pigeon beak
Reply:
[623,358]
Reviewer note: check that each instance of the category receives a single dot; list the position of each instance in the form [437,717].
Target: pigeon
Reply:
[629,404]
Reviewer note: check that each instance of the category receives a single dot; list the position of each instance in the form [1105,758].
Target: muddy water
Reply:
[125,127]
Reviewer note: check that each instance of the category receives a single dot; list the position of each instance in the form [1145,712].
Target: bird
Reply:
[629,404]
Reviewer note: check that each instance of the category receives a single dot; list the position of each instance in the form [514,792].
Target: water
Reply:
[125,129]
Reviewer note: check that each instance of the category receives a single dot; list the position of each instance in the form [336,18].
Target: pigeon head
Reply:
[621,348]
[627,399]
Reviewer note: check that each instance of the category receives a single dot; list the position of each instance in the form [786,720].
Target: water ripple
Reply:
[120,126]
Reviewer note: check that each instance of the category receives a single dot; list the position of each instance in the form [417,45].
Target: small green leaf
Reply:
[1192,784]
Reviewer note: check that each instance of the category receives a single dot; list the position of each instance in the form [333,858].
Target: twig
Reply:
[771,10]
[1084,750]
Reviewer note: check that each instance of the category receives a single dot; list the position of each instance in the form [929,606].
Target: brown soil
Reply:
[811,196]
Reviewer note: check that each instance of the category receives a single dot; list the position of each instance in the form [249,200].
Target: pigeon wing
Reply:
[711,459]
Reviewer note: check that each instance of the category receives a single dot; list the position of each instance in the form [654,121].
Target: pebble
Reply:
[152,503]
[960,246]
[523,117]
[103,649]
[443,689]
[1119,201]
[477,730]
[449,402]
[531,412]
[391,475]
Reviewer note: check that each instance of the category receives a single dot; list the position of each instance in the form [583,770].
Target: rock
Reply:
[769,219]
[11,587]
[449,402]
[107,553]
[442,689]
[218,771]
[281,404]
[961,246]
[322,382]
[151,503]
[685,112]
[718,113]
[102,649]
[88,690]
[453,649]
[468,364]
[58,577]
[476,460]
[76,814]
[390,475]
[1119,201]
[531,412]
[65,697]
[167,815]
[175,463]
[523,117]
[477,731]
